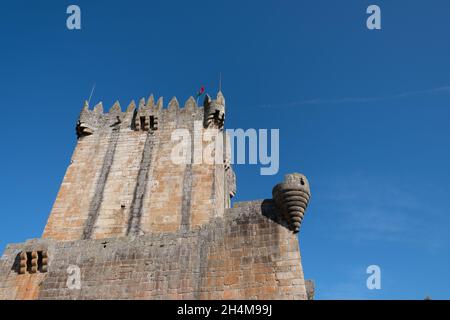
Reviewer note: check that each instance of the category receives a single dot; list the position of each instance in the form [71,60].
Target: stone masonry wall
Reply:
[122,181]
[248,254]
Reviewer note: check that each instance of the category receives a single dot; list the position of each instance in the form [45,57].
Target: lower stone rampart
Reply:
[247,254]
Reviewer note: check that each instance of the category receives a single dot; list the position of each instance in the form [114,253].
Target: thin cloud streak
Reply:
[373,210]
[444,89]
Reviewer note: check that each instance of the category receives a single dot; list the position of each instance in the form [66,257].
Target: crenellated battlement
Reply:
[148,115]
[91,121]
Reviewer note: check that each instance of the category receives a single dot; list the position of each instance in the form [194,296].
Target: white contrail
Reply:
[357,99]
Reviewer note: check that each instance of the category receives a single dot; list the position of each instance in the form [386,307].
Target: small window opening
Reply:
[32,262]
[29,261]
[152,122]
[142,122]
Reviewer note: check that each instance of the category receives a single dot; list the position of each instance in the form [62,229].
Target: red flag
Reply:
[201,91]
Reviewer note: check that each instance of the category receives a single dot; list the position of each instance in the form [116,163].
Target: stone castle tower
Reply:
[130,223]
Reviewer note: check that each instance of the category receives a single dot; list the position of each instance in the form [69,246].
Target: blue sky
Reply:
[364,114]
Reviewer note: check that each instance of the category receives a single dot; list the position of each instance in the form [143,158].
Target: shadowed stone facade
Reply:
[139,226]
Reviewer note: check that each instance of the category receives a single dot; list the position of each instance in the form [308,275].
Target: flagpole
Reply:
[90,96]
[199,93]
